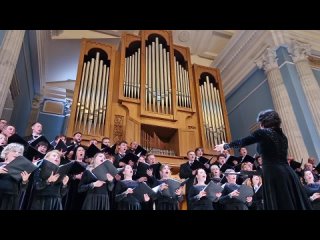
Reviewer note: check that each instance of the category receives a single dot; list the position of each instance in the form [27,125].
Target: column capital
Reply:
[268,60]
[36,101]
[300,51]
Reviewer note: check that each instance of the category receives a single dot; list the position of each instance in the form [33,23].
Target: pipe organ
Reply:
[148,91]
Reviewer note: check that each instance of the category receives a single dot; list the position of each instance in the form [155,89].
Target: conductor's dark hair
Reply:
[269,119]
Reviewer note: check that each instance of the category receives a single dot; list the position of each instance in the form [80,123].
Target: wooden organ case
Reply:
[148,91]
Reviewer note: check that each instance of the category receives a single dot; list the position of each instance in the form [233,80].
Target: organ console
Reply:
[147,90]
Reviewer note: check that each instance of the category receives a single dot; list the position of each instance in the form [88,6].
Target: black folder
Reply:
[141,189]
[173,185]
[106,167]
[18,165]
[212,189]
[245,191]
[61,146]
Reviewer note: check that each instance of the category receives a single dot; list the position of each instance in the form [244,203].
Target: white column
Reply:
[282,104]
[9,53]
[300,52]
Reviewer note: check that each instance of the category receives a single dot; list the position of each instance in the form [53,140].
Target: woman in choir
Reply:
[215,174]
[257,165]
[3,143]
[74,199]
[257,199]
[197,195]
[282,188]
[10,188]
[164,202]
[312,189]
[97,197]
[47,193]
[124,192]
[230,191]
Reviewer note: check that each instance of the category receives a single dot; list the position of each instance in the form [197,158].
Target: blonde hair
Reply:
[10,148]
[53,151]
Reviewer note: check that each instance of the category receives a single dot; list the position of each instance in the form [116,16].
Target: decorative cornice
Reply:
[268,60]
[55,33]
[237,60]
[300,51]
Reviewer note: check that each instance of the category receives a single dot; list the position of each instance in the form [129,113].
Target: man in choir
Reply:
[8,130]
[3,122]
[187,172]
[105,142]
[36,132]
[122,149]
[75,142]
[57,139]
[221,163]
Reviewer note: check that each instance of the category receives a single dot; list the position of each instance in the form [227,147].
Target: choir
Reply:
[66,175]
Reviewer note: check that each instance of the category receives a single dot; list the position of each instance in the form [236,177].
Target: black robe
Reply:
[97,198]
[310,190]
[10,190]
[164,202]
[282,189]
[46,196]
[203,203]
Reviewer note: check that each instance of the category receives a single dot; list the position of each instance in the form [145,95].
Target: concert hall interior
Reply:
[168,91]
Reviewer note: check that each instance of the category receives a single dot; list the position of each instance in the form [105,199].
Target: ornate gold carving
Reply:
[118,128]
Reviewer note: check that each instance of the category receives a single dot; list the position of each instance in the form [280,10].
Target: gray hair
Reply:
[11,148]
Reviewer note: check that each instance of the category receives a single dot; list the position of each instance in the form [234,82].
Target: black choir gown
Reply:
[257,199]
[126,201]
[310,190]
[231,203]
[203,203]
[97,198]
[164,202]
[47,196]
[10,190]
[282,189]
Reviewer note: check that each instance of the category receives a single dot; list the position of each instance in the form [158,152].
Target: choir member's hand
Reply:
[109,177]
[207,165]
[146,197]
[315,196]
[194,172]
[65,180]
[129,190]
[3,170]
[163,186]
[53,177]
[202,194]
[142,179]
[35,159]
[234,193]
[25,176]
[78,176]
[179,191]
[98,183]
[249,199]
[219,147]
[122,164]
[235,162]
[218,195]
[117,177]
[149,172]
